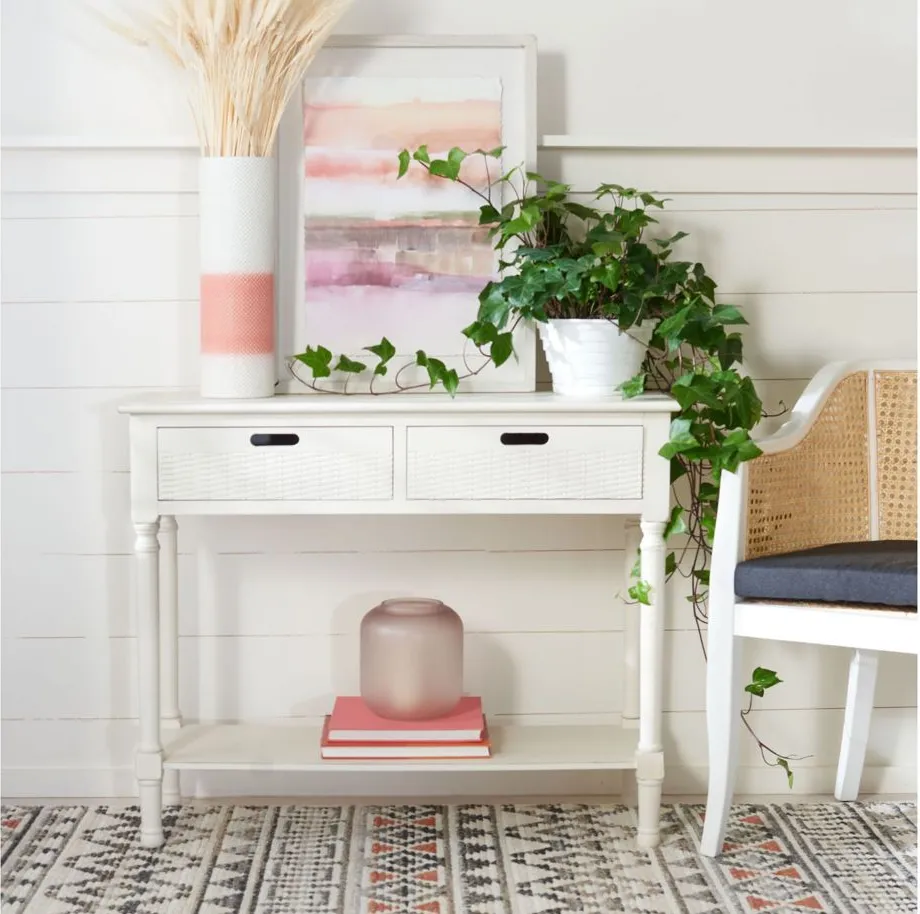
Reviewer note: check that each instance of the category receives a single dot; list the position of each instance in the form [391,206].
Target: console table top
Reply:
[190,403]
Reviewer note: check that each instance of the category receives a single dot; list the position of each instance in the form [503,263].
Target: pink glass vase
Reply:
[411,659]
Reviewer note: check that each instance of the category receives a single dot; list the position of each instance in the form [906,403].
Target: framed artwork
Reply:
[364,255]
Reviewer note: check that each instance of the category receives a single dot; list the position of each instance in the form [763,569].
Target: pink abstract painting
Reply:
[404,259]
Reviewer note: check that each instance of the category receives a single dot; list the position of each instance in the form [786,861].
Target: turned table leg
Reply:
[170,717]
[149,757]
[650,755]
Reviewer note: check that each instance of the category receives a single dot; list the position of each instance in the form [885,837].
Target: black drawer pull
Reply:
[275,439]
[524,438]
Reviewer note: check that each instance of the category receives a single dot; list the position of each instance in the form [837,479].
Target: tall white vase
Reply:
[238,228]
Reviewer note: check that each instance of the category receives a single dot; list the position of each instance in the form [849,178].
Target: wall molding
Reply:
[559,141]
[90,143]
[585,141]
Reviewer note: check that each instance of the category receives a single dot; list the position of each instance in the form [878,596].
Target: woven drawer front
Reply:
[548,462]
[325,464]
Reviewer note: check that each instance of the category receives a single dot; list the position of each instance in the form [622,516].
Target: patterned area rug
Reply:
[548,859]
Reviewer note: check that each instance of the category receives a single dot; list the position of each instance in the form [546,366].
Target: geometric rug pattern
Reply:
[834,858]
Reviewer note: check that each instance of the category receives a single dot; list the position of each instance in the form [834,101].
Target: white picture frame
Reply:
[510,59]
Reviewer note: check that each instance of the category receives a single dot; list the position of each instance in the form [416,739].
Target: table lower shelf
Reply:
[267,747]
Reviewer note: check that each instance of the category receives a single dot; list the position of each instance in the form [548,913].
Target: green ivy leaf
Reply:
[350,365]
[450,167]
[607,273]
[502,348]
[730,350]
[525,220]
[761,680]
[738,447]
[680,439]
[649,200]
[670,328]
[441,168]
[727,314]
[421,155]
[670,564]
[634,386]
[494,307]
[767,678]
[580,211]
[437,371]
[455,158]
[784,764]
[676,523]
[708,492]
[384,350]
[481,333]
[403,163]
[451,381]
[488,214]
[640,592]
[317,360]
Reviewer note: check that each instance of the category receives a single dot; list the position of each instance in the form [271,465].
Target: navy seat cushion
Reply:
[883,573]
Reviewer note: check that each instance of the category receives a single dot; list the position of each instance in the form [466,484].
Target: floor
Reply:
[259,856]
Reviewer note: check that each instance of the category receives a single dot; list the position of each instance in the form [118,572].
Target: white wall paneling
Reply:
[85,170]
[58,344]
[277,676]
[110,258]
[269,676]
[739,171]
[851,250]
[52,346]
[786,74]
[669,171]
[797,180]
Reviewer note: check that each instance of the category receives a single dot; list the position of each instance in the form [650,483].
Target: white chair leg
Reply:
[724,688]
[856,720]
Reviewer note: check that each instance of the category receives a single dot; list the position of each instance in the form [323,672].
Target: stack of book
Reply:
[353,731]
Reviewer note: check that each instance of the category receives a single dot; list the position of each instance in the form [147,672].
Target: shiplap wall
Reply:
[784,135]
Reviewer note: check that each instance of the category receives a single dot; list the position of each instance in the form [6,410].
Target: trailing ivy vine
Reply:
[562,257]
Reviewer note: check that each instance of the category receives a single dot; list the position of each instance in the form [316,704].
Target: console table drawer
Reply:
[516,462]
[272,464]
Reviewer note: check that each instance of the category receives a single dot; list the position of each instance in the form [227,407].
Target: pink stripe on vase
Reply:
[238,313]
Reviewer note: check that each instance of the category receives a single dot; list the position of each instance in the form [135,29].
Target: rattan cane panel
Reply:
[274,477]
[896,435]
[325,464]
[471,464]
[818,491]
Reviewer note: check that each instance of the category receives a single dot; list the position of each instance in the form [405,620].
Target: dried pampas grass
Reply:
[242,60]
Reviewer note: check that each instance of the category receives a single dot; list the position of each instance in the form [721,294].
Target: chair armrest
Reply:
[810,487]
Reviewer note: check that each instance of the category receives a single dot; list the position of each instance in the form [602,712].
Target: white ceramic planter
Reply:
[237,231]
[589,358]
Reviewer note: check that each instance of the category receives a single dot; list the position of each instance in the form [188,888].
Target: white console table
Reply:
[393,454]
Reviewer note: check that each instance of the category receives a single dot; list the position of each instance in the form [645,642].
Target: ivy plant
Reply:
[592,257]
